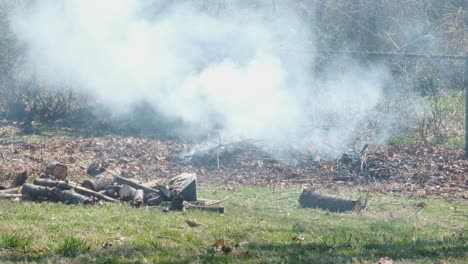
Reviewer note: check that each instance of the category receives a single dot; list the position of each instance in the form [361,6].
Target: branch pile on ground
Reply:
[409,171]
[110,186]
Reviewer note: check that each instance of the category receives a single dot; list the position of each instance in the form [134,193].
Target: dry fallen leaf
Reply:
[297,238]
[218,242]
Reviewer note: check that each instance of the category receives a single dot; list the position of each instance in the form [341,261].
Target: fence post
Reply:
[465,84]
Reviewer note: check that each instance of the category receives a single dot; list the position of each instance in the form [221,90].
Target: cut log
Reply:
[56,171]
[69,197]
[311,199]
[100,181]
[35,191]
[73,186]
[55,194]
[11,195]
[185,184]
[11,190]
[136,185]
[19,180]
[138,198]
[127,192]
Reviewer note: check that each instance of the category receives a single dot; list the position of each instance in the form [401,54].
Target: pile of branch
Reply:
[370,165]
[218,154]
[108,186]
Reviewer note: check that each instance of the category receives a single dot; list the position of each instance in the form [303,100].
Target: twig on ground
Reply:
[220,201]
[365,202]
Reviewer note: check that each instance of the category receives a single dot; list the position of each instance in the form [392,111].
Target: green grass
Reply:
[14,241]
[262,223]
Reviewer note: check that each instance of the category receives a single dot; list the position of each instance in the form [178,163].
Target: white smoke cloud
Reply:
[247,69]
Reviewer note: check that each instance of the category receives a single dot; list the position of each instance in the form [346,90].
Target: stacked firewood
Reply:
[107,186]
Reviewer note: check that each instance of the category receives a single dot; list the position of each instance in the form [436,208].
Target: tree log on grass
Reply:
[73,186]
[216,209]
[11,195]
[10,190]
[311,199]
[36,191]
[55,194]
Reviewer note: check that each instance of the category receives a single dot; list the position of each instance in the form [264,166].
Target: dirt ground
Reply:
[401,171]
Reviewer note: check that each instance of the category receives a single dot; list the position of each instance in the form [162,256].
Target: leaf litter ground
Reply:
[401,171]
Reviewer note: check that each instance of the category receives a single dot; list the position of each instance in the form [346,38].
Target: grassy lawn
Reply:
[259,227]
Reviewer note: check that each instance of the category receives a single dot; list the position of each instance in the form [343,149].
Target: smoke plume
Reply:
[247,68]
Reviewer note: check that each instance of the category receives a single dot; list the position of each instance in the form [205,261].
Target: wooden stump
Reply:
[56,171]
[311,199]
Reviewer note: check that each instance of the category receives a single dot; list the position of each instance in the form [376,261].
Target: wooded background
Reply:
[394,26]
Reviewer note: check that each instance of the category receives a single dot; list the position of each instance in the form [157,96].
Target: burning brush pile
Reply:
[108,186]
[409,171]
